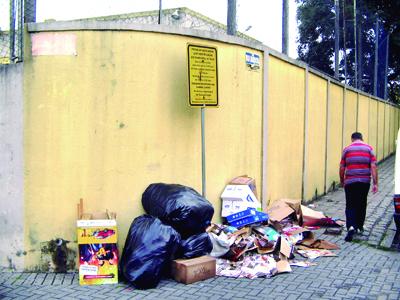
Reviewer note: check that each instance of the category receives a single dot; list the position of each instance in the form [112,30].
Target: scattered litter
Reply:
[252,266]
[315,253]
[302,263]
[251,243]
[264,248]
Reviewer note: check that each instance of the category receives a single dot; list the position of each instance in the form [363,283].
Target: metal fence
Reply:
[13,15]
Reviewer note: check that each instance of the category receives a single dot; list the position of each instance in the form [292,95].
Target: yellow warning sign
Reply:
[203,76]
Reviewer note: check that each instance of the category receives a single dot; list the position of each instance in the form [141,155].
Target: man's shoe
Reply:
[359,231]
[350,234]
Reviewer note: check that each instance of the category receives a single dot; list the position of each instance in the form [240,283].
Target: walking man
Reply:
[357,165]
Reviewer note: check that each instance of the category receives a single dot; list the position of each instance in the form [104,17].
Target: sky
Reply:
[264,16]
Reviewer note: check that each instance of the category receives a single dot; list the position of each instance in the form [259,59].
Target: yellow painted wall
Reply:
[234,130]
[363,116]
[316,137]
[381,125]
[285,119]
[373,124]
[392,130]
[387,131]
[396,124]
[106,123]
[350,116]
[334,148]
[397,120]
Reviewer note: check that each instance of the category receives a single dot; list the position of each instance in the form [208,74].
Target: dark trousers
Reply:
[356,204]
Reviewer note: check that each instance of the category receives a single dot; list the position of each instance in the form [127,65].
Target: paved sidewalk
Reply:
[363,269]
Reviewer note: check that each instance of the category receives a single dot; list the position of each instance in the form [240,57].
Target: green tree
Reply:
[316,20]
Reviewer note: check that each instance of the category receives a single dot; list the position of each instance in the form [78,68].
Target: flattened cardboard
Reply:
[283,208]
[285,248]
[310,213]
[279,211]
[319,244]
[283,266]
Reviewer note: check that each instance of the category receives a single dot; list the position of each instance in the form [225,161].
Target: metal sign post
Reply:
[203,153]
[203,90]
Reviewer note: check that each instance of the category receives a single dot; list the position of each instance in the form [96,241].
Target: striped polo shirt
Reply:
[357,159]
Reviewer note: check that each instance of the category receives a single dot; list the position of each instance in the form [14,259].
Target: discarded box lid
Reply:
[245,180]
[258,217]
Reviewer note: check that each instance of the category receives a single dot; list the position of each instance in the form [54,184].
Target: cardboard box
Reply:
[280,209]
[245,180]
[194,269]
[97,245]
[236,198]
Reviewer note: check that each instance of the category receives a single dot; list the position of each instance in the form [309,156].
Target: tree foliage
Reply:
[316,23]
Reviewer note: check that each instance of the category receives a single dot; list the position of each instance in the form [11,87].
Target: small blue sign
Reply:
[252,60]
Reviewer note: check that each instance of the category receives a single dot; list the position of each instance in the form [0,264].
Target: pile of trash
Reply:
[265,248]
[250,243]
[174,227]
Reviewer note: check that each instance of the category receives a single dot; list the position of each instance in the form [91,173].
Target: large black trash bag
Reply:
[149,249]
[196,245]
[179,206]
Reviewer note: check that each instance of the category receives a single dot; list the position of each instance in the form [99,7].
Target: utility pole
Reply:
[285,26]
[359,54]
[376,57]
[355,44]
[337,39]
[231,19]
[159,11]
[386,67]
[344,42]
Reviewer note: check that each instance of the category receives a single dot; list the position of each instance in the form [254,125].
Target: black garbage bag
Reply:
[196,245]
[179,206]
[149,249]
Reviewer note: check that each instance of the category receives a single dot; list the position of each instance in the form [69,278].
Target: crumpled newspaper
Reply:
[252,266]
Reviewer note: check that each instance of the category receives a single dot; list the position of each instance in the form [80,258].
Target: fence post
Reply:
[328,99]
[343,115]
[264,159]
[384,129]
[369,118]
[377,129]
[305,137]
[20,31]
[358,110]
[29,11]
[12,30]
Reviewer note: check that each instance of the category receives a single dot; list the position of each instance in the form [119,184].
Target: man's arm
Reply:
[374,173]
[341,175]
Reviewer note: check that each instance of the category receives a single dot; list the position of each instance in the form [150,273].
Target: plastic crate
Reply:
[257,218]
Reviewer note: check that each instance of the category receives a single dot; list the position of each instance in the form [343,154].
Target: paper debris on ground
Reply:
[315,253]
